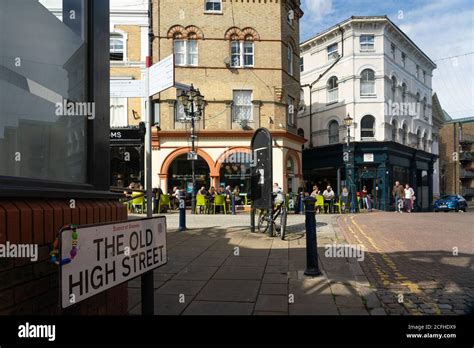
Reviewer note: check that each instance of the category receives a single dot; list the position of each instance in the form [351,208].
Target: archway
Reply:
[180,173]
[234,168]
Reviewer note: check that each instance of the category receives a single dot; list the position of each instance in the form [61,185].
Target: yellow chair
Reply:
[165,200]
[338,205]
[320,202]
[138,201]
[219,200]
[200,202]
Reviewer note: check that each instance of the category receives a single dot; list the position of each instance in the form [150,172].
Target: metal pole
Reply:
[310,116]
[193,134]
[312,266]
[147,288]
[252,219]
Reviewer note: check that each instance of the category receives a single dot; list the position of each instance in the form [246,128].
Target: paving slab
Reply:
[238,272]
[219,308]
[272,303]
[196,272]
[176,287]
[230,290]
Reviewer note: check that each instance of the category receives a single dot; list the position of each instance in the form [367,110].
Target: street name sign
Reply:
[109,255]
[161,75]
[127,89]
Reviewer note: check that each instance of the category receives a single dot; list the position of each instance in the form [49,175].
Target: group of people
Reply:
[404,197]
[330,198]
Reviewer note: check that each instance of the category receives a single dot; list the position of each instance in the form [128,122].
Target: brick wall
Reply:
[33,287]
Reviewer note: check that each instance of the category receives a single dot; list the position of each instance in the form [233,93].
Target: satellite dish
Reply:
[227,60]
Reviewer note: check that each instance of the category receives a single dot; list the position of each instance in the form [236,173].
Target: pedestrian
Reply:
[345,199]
[236,194]
[157,192]
[398,194]
[409,194]
[328,195]
[369,202]
[315,191]
[364,194]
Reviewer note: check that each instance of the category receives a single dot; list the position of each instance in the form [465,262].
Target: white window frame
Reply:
[291,111]
[372,83]
[116,103]
[187,53]
[301,64]
[332,93]
[290,60]
[123,38]
[332,52]
[241,54]
[213,2]
[371,46]
[235,105]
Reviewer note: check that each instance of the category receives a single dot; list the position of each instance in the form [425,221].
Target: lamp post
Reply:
[349,160]
[193,104]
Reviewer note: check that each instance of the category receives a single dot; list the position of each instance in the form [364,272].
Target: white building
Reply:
[366,67]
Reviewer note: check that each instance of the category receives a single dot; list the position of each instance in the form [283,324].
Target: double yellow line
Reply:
[384,277]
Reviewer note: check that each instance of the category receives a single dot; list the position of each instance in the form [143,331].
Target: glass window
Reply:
[367,42]
[290,60]
[116,47]
[418,139]
[332,52]
[333,132]
[332,88]
[394,87]
[235,54]
[417,71]
[242,106]
[424,76]
[248,53]
[291,111]
[180,52]
[394,130]
[404,134]
[301,64]
[392,51]
[404,59]
[367,127]
[367,82]
[192,48]
[44,104]
[213,6]
[404,92]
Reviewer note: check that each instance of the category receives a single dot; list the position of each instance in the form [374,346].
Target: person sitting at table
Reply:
[202,191]
[328,195]
[175,197]
[315,191]
[236,194]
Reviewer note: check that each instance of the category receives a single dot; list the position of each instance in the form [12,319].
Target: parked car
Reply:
[450,202]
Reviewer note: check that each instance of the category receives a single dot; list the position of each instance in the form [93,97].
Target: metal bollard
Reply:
[301,203]
[312,267]
[252,219]
[233,205]
[182,215]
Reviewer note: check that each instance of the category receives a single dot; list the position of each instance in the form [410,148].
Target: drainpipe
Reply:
[310,85]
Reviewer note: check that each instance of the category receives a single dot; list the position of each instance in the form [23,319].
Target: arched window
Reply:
[117,47]
[404,92]
[404,134]
[425,142]
[302,103]
[394,88]
[394,130]
[367,127]
[332,88]
[418,139]
[290,59]
[333,132]
[425,116]
[367,82]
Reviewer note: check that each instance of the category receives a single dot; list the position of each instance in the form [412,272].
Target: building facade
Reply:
[366,67]
[457,158]
[243,57]
[129,49]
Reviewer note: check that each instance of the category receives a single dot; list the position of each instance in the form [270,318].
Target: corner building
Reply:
[244,58]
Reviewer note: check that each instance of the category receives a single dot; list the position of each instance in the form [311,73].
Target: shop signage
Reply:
[368,157]
[161,75]
[107,255]
[262,169]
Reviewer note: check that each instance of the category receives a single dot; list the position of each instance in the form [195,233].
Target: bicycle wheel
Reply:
[283,223]
[263,221]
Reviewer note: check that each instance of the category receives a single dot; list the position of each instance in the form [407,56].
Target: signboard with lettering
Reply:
[262,169]
[368,157]
[127,89]
[161,75]
[107,255]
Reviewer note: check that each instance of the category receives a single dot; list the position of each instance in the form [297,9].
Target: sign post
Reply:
[95,258]
[262,175]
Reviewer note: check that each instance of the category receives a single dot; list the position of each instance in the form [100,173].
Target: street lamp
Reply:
[193,104]
[349,162]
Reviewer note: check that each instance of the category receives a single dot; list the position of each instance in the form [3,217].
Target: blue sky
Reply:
[441,28]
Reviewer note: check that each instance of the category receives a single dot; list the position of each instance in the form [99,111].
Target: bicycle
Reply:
[279,211]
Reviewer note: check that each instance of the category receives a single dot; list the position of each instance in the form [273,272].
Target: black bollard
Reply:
[252,219]
[301,206]
[182,215]
[312,268]
[233,204]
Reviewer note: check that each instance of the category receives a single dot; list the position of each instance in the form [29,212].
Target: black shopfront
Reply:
[377,165]
[127,154]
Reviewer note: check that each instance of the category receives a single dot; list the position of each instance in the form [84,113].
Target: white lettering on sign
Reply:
[108,255]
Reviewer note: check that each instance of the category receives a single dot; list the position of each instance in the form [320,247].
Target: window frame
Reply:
[98,130]
[301,64]
[330,54]
[334,89]
[370,49]
[186,52]
[367,129]
[333,138]
[235,105]
[291,119]
[213,2]
[404,59]
[121,37]
[368,82]
[290,60]
[394,131]
[242,54]
[393,51]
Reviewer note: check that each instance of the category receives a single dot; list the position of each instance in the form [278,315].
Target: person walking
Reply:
[398,194]
[364,194]
[409,194]
[345,199]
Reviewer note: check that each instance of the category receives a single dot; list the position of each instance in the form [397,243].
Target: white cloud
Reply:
[317,9]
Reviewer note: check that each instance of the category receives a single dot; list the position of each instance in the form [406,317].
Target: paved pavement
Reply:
[420,263]
[219,267]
